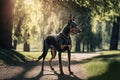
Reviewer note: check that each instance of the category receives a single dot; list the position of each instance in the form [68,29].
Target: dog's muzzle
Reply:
[76,30]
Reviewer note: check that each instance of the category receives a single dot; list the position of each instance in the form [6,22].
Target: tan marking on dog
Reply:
[63,46]
[70,47]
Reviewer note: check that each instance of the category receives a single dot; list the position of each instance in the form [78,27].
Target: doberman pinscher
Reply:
[60,42]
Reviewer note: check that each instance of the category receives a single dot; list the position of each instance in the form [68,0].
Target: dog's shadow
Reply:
[66,77]
[38,76]
[60,77]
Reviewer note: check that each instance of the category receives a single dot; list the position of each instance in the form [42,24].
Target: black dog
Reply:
[60,42]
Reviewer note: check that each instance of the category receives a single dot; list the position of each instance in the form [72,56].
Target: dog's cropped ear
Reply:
[71,18]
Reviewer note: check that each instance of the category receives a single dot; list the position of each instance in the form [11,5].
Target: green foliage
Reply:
[35,19]
[26,19]
[95,19]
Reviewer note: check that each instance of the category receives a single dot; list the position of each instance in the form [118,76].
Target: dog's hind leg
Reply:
[45,51]
[53,54]
[43,63]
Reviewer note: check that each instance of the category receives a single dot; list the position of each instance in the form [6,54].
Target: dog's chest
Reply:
[63,43]
[64,40]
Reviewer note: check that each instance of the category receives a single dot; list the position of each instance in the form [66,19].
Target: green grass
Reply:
[34,55]
[103,67]
[111,52]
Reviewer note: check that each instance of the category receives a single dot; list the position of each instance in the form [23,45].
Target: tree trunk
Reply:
[83,47]
[91,46]
[77,46]
[26,47]
[88,47]
[15,44]
[6,23]
[115,35]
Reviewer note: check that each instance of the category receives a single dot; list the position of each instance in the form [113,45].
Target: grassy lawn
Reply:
[35,55]
[110,52]
[104,67]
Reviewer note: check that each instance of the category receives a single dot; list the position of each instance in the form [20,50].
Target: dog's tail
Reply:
[45,50]
[40,57]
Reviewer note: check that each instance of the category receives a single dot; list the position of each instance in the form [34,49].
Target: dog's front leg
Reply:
[60,63]
[69,59]
[70,47]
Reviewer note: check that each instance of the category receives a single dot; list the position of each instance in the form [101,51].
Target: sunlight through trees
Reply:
[35,19]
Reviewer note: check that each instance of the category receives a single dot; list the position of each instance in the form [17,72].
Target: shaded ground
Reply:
[32,70]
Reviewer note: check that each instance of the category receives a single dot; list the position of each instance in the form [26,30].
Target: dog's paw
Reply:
[61,73]
[42,69]
[52,68]
[71,72]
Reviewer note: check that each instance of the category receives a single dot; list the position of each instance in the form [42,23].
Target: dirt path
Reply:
[31,70]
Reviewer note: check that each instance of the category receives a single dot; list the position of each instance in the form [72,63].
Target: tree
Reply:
[115,35]
[6,23]
[17,34]
[25,22]
[103,11]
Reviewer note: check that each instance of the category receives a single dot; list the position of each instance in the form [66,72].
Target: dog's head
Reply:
[73,26]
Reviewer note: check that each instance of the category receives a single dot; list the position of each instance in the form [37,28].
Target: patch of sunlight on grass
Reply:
[95,68]
[35,55]
[100,67]
[110,52]
[1,62]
